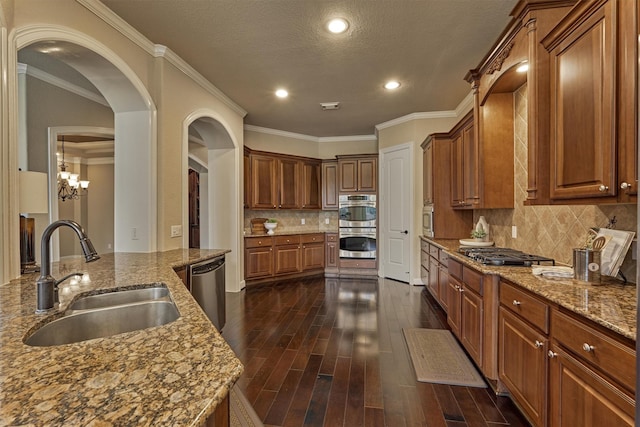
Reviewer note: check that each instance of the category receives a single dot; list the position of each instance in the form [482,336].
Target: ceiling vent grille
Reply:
[330,105]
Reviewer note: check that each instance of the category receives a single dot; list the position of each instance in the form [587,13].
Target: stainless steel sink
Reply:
[119,297]
[109,315]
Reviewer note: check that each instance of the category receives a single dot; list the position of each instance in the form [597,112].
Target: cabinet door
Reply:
[434,275]
[457,175]
[471,165]
[331,250]
[348,175]
[580,396]
[311,192]
[312,256]
[368,175]
[443,281]
[258,262]
[427,174]
[471,323]
[247,179]
[287,259]
[263,182]
[453,298]
[522,365]
[583,136]
[289,184]
[330,185]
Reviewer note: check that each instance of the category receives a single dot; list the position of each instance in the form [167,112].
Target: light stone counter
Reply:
[247,232]
[610,303]
[173,375]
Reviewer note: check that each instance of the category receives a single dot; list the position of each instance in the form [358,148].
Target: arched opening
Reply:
[60,50]
[212,153]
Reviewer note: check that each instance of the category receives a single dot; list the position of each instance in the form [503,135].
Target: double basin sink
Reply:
[107,314]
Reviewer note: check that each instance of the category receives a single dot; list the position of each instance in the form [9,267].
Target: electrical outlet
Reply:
[134,233]
[326,221]
[302,221]
[514,232]
[176,230]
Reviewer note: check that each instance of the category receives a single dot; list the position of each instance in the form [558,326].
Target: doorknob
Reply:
[405,232]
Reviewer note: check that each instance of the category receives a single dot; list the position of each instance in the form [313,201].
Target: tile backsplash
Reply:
[550,230]
[291,220]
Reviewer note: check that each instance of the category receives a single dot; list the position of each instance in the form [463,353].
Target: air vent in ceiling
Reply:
[330,105]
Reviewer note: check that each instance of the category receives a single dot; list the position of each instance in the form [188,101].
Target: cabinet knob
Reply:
[461,289]
[551,354]
[625,185]
[588,348]
[538,344]
[603,188]
[516,302]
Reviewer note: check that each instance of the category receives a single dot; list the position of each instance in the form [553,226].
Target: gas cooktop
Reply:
[503,256]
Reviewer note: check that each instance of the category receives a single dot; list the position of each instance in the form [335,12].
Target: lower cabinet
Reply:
[279,257]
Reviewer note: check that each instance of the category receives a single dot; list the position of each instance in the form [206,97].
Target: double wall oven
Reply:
[357,222]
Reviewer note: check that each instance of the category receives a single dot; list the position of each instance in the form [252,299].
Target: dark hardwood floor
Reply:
[331,352]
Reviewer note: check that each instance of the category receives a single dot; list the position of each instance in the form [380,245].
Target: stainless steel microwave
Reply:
[427,221]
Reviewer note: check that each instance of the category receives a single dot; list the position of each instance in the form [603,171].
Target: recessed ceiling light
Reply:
[281,93]
[522,68]
[392,85]
[338,25]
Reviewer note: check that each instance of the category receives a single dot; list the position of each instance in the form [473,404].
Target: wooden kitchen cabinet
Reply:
[246,178]
[311,185]
[287,255]
[264,191]
[330,189]
[312,251]
[258,257]
[331,254]
[358,174]
[454,315]
[593,103]
[522,355]
[289,184]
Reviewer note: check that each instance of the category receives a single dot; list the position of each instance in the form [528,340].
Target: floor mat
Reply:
[241,412]
[438,358]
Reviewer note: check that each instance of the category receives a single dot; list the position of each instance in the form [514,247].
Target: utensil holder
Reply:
[586,265]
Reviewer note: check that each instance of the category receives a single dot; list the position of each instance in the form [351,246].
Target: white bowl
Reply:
[270,226]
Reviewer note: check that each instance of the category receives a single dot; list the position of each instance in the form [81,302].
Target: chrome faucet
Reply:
[47,286]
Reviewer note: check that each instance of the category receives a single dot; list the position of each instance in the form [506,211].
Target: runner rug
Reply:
[241,412]
[438,358]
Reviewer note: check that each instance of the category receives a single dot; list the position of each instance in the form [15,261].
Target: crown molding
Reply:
[62,84]
[465,105]
[309,137]
[416,116]
[100,161]
[157,51]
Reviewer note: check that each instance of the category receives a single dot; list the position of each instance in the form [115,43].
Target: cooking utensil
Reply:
[598,243]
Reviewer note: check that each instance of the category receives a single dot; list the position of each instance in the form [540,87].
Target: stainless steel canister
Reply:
[586,265]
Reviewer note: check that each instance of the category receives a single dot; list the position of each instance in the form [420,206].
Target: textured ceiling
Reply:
[248,48]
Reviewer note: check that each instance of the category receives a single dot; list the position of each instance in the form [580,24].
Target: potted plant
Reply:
[479,235]
[270,225]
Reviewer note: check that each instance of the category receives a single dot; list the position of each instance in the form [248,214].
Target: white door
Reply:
[396,212]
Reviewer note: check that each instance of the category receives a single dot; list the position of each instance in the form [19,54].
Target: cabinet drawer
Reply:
[532,309]
[472,279]
[606,353]
[424,246]
[332,237]
[257,242]
[434,251]
[424,260]
[455,268]
[312,238]
[444,257]
[293,239]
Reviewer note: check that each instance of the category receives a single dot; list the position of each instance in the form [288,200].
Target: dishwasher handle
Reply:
[209,266]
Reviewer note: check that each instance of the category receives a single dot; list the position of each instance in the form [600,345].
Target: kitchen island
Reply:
[176,374]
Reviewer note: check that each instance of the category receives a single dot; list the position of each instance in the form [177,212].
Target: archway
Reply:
[211,149]
[134,123]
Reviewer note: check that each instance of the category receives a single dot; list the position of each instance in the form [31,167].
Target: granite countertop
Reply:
[277,232]
[610,303]
[175,374]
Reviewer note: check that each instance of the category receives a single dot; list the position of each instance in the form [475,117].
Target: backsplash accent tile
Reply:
[550,230]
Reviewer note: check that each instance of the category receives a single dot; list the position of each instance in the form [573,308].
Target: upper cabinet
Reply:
[593,67]
[494,83]
[330,185]
[358,174]
[275,181]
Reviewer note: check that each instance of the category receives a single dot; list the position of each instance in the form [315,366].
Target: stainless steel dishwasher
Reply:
[208,288]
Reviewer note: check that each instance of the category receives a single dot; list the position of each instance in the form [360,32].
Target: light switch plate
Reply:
[302,221]
[514,231]
[176,230]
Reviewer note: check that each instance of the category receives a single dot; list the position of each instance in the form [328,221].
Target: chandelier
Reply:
[69,184]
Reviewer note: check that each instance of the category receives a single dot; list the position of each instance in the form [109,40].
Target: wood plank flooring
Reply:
[330,352]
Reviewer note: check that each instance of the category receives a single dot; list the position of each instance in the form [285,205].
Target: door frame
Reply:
[382,197]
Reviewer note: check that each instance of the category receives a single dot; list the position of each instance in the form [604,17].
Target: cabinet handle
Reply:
[551,354]
[603,188]
[538,344]
[516,302]
[588,348]
[625,185]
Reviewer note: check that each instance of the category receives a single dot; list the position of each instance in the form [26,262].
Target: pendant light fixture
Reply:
[69,184]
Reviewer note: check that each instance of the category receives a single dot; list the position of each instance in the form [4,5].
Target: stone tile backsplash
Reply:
[291,220]
[550,230]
